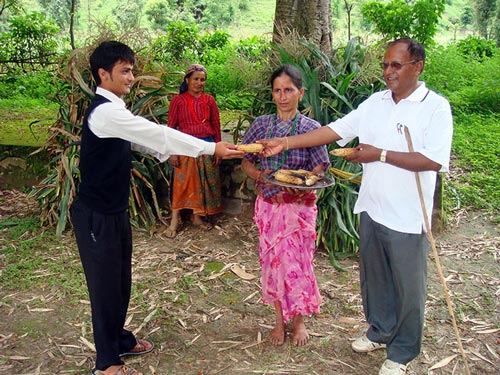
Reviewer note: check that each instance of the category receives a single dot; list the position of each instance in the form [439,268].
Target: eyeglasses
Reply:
[396,65]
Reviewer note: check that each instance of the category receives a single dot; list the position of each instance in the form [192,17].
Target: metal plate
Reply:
[325,182]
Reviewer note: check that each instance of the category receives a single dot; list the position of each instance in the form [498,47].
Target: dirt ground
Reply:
[198,298]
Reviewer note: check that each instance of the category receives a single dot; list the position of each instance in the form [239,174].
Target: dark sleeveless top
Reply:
[105,165]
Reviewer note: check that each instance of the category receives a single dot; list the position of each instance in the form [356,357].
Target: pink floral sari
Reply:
[287,240]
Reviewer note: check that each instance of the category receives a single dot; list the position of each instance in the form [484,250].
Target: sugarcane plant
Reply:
[149,97]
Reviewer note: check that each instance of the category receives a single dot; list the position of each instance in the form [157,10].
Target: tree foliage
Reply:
[14,6]
[31,42]
[205,13]
[401,19]
[58,10]
[128,14]
[485,15]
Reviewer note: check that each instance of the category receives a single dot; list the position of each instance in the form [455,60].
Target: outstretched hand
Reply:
[227,150]
[272,146]
[365,154]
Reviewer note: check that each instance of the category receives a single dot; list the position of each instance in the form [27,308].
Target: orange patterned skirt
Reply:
[196,186]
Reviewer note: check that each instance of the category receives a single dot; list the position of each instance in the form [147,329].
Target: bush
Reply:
[233,68]
[470,84]
[35,85]
[476,47]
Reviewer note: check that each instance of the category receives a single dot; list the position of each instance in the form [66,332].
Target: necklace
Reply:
[191,108]
[275,164]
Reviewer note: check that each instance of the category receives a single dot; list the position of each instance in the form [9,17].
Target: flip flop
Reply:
[122,370]
[141,348]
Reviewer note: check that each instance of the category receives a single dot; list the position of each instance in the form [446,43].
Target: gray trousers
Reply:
[393,273]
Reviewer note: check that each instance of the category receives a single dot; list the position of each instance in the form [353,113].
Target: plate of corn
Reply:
[299,179]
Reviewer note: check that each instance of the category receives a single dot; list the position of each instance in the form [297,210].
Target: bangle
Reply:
[286,139]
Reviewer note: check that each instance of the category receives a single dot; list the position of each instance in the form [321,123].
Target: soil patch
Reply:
[198,298]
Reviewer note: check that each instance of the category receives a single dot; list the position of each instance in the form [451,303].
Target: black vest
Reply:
[105,165]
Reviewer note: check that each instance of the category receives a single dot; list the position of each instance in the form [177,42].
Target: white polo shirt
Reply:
[389,194]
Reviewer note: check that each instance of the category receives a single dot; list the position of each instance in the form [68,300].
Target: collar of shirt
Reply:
[416,96]
[109,95]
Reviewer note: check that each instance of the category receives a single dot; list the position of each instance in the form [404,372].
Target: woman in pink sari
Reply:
[286,218]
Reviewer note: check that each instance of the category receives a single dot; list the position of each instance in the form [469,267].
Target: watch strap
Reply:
[383,156]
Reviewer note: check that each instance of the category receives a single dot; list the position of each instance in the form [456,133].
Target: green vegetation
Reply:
[398,18]
[467,74]
[476,150]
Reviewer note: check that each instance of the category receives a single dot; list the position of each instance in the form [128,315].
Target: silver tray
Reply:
[324,182]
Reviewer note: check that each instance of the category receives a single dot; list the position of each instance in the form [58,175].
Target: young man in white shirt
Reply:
[100,211]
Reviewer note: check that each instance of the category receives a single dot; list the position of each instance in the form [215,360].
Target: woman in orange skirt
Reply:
[196,181]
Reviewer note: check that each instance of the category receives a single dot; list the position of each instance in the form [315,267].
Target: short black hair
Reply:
[107,54]
[416,50]
[291,71]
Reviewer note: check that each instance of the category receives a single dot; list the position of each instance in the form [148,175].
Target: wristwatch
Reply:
[383,156]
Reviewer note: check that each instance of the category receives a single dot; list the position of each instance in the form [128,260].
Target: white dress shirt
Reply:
[114,120]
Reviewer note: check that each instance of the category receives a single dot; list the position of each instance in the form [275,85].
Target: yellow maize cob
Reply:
[297,172]
[312,179]
[345,175]
[250,148]
[284,176]
[342,152]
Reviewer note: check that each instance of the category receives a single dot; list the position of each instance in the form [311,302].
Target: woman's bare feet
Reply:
[175,224]
[198,221]
[300,335]
[277,335]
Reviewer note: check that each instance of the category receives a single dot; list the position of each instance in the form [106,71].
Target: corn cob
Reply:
[250,148]
[342,152]
[355,178]
[288,178]
[297,177]
[298,172]
[312,179]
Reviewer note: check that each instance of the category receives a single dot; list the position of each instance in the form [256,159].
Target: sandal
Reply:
[139,348]
[122,370]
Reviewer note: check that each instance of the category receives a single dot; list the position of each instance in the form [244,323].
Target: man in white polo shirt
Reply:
[393,245]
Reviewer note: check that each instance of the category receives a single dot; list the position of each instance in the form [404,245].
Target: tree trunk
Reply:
[438,215]
[311,19]
[72,23]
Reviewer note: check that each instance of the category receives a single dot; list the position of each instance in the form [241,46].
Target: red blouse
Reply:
[206,119]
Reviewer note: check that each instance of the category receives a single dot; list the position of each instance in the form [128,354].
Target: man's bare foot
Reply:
[277,335]
[300,335]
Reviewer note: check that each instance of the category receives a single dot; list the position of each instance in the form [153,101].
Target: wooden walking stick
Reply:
[436,257]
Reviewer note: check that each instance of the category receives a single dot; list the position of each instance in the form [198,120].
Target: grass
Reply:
[257,20]
[25,122]
[476,152]
[32,256]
